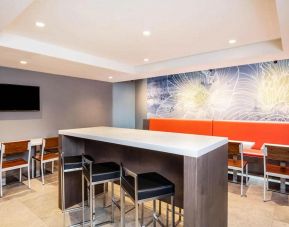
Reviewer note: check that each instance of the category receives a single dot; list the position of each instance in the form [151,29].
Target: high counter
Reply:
[196,164]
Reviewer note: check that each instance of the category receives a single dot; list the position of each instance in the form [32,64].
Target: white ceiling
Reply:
[96,39]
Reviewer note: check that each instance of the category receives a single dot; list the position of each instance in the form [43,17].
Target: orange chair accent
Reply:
[199,127]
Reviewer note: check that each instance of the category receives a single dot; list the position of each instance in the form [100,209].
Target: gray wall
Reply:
[66,102]
[140,102]
[124,104]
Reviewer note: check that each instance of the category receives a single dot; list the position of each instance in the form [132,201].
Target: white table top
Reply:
[174,143]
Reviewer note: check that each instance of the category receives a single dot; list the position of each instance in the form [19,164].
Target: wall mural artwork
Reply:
[257,92]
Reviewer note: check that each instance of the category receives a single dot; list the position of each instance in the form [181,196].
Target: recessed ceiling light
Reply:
[23,62]
[146,33]
[146,59]
[110,77]
[39,24]
[232,41]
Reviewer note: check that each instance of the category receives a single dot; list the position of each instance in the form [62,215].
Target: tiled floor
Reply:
[37,207]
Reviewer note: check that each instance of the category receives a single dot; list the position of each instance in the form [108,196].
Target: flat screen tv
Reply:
[19,98]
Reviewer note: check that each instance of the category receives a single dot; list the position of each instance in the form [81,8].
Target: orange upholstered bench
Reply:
[258,132]
[200,127]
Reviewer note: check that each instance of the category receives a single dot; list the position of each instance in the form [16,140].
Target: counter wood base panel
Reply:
[201,183]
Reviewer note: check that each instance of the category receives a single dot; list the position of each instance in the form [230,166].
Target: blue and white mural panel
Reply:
[257,92]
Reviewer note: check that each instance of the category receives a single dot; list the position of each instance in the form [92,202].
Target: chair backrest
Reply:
[234,148]
[87,166]
[15,147]
[126,172]
[50,143]
[12,148]
[276,152]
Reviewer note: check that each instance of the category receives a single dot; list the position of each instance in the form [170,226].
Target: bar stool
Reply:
[142,188]
[69,164]
[95,174]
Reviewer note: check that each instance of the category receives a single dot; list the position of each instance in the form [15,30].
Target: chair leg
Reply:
[112,202]
[32,166]
[154,211]
[28,174]
[20,175]
[173,210]
[264,188]
[52,167]
[1,190]
[122,207]
[42,172]
[242,183]
[247,177]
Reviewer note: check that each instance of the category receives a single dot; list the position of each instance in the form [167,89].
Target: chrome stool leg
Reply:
[122,210]
[90,205]
[112,202]
[142,215]
[82,190]
[104,194]
[63,196]
[167,215]
[173,210]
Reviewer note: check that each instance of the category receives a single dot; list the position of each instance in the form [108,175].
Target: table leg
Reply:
[283,185]
[235,176]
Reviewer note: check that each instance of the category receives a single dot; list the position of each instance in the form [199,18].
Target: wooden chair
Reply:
[280,154]
[12,149]
[236,161]
[49,153]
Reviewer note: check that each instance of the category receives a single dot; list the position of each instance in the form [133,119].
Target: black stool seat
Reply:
[103,171]
[150,185]
[74,162]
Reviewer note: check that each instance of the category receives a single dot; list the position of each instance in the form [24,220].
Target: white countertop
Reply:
[174,143]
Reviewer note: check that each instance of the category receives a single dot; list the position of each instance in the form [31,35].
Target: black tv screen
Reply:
[19,98]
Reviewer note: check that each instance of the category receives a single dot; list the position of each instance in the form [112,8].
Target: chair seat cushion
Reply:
[47,156]
[14,163]
[253,152]
[236,163]
[150,185]
[74,162]
[103,171]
